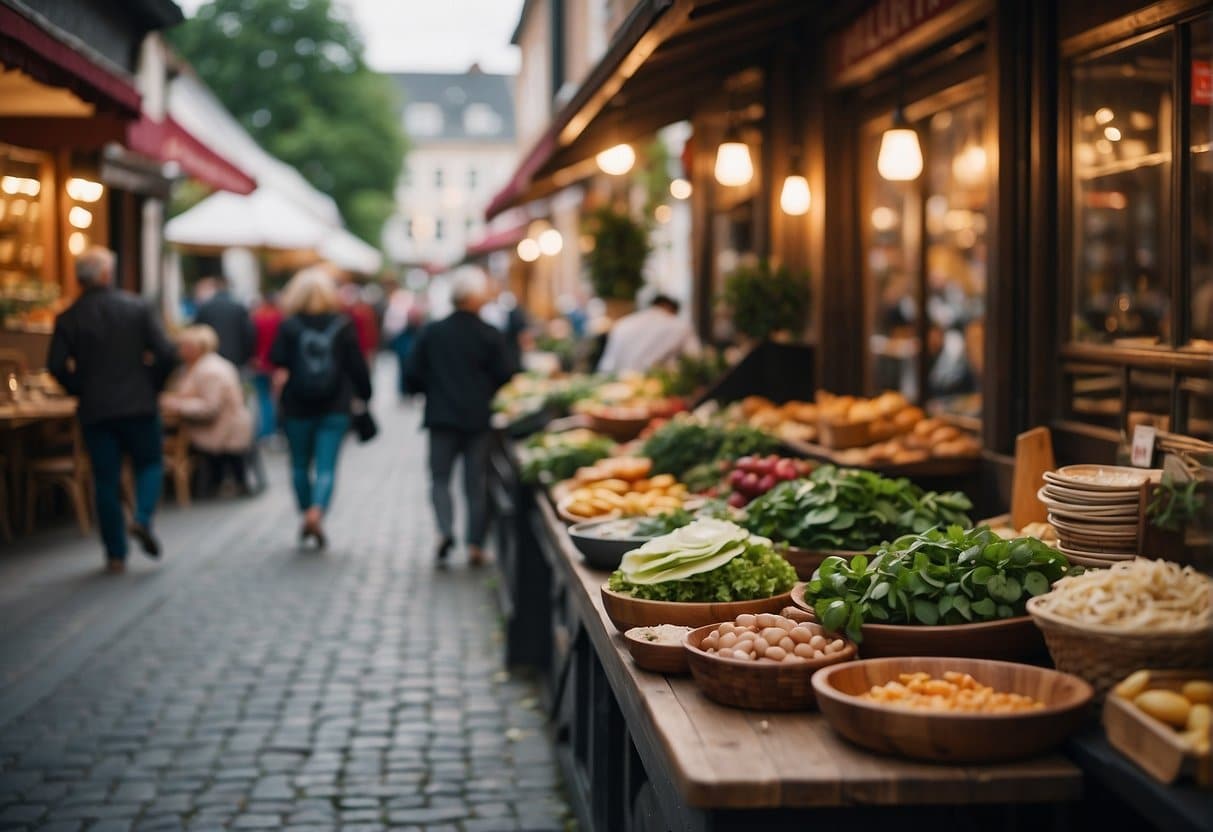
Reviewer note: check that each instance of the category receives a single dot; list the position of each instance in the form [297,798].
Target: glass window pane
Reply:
[1201,209]
[955,220]
[892,235]
[1122,116]
[1122,138]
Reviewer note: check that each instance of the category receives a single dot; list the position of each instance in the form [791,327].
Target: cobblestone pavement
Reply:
[243,684]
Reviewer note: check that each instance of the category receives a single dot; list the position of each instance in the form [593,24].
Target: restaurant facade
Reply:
[88,153]
[1004,209]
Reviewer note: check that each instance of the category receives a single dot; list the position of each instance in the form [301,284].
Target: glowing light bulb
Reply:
[900,158]
[528,250]
[616,160]
[80,217]
[84,190]
[733,164]
[680,189]
[550,242]
[795,198]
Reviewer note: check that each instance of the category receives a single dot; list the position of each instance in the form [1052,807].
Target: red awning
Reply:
[168,141]
[26,45]
[495,241]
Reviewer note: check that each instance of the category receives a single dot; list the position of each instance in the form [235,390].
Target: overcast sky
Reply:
[434,35]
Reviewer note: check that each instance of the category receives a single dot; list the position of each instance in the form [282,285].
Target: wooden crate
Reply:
[1149,743]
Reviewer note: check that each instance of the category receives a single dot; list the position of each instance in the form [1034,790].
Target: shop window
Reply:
[925,263]
[1121,121]
[28,291]
[1138,239]
[1201,201]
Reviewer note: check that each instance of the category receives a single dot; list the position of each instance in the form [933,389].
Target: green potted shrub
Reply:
[621,245]
[764,302]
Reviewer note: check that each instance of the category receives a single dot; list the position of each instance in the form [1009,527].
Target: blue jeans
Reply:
[315,441]
[138,437]
[267,419]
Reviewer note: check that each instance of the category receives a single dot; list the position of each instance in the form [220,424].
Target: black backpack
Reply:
[316,373]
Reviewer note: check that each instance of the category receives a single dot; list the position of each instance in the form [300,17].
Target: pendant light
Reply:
[734,167]
[795,197]
[900,158]
[617,160]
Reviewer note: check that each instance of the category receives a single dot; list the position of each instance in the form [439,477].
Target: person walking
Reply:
[109,351]
[458,364]
[267,317]
[317,348]
[210,401]
[231,322]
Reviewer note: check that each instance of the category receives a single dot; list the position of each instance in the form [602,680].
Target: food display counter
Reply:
[645,751]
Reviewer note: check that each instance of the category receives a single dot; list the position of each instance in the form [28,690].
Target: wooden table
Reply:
[642,751]
[15,417]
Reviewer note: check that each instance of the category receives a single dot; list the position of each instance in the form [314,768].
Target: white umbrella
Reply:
[351,253]
[262,219]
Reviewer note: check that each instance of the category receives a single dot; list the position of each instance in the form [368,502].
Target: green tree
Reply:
[292,72]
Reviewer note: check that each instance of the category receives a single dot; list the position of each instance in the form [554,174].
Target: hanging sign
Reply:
[1202,83]
[880,26]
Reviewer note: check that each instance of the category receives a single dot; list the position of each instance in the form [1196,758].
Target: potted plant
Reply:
[621,245]
[764,302]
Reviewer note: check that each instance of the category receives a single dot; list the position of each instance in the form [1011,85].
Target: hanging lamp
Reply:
[734,167]
[900,158]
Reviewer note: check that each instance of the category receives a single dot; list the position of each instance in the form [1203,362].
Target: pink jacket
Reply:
[211,401]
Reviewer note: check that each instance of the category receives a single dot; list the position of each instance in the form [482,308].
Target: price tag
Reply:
[1143,446]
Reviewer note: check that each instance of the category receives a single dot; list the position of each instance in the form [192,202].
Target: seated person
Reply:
[210,401]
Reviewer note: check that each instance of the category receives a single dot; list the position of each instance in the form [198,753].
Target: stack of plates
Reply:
[1094,509]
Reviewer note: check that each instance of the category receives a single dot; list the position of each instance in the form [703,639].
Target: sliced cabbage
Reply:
[701,546]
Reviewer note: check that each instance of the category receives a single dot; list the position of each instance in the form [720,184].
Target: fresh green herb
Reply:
[684,444]
[690,373]
[756,572]
[937,577]
[1174,506]
[850,509]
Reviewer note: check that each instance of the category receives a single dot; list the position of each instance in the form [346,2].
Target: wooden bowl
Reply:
[659,658]
[1011,639]
[756,686]
[621,430]
[952,737]
[627,612]
[806,561]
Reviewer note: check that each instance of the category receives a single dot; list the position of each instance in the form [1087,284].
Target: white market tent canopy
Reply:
[284,213]
[263,219]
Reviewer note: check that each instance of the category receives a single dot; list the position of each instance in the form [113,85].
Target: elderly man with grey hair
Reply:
[458,364]
[109,351]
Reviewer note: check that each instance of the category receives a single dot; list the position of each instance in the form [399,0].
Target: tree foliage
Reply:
[292,72]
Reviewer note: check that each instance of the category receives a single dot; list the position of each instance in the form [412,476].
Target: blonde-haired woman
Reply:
[318,348]
[209,398]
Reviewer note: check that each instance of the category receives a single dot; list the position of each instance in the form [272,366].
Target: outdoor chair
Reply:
[13,361]
[179,462]
[64,466]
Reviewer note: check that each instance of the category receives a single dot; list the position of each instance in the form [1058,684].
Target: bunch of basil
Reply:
[851,510]
[947,576]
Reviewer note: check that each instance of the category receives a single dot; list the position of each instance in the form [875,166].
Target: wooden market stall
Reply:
[1041,259]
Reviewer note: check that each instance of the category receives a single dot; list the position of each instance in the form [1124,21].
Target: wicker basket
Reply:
[1104,656]
[756,686]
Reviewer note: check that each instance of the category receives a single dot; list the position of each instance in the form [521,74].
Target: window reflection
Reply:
[1201,160]
[1122,116]
[926,262]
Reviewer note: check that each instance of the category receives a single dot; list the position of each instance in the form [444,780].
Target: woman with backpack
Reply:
[317,347]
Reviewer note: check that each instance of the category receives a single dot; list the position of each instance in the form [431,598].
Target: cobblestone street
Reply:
[245,684]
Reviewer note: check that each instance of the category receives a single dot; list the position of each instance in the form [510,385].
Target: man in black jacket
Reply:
[109,351]
[459,363]
[231,321]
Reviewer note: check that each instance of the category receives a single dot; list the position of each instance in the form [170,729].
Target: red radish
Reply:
[744,463]
[748,484]
[737,500]
[785,469]
[736,476]
[766,483]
